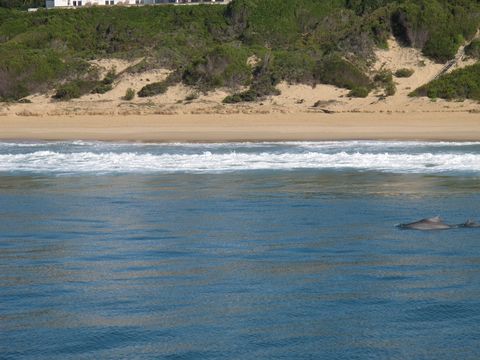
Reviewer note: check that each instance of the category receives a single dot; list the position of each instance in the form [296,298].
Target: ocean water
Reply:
[238,251]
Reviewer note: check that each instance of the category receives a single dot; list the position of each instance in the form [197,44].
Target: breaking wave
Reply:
[101,158]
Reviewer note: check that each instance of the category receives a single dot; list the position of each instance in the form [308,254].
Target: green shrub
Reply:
[245,96]
[473,49]
[110,77]
[74,89]
[21,4]
[437,27]
[339,72]
[384,79]
[153,89]
[294,66]
[457,85]
[129,94]
[404,73]
[390,89]
[223,66]
[101,88]
[192,96]
[359,92]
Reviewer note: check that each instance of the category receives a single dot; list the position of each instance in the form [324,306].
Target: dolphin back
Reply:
[470,224]
[434,223]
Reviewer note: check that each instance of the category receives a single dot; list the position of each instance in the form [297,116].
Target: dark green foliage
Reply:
[21,4]
[365,6]
[339,72]
[309,41]
[223,66]
[192,96]
[390,89]
[153,89]
[294,66]
[435,26]
[244,96]
[109,77]
[80,87]
[404,73]
[359,92]
[74,89]
[129,94]
[473,49]
[263,84]
[459,84]
[101,88]
[384,79]
[26,71]
[106,84]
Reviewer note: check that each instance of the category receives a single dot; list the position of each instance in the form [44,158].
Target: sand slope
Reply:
[293,98]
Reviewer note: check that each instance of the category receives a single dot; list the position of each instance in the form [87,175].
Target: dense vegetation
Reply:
[21,4]
[458,85]
[299,41]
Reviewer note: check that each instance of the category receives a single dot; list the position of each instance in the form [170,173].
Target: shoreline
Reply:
[442,126]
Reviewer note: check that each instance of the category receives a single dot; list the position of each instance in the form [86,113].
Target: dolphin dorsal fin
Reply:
[436,219]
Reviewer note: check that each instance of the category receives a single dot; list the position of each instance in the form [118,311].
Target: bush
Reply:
[245,96]
[384,79]
[21,4]
[101,88]
[437,27]
[74,89]
[359,92]
[263,84]
[153,89]
[110,77]
[458,85]
[473,49]
[390,89]
[129,94]
[294,66]
[339,72]
[192,96]
[404,73]
[224,66]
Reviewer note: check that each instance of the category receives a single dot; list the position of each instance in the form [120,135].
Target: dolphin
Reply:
[434,223]
[470,224]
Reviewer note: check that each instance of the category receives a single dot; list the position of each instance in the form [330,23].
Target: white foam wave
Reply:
[129,162]
[303,144]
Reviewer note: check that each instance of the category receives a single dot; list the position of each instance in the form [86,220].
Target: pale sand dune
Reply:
[392,117]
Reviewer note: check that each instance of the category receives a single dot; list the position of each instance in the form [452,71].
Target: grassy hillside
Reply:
[300,41]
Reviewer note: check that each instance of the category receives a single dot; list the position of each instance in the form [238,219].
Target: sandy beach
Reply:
[459,126]
[300,112]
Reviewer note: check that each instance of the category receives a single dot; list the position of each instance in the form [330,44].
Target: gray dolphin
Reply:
[470,224]
[434,223]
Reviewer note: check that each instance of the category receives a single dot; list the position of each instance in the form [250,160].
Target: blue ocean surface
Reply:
[238,251]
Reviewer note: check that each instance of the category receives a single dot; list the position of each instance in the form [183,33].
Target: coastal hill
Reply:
[251,56]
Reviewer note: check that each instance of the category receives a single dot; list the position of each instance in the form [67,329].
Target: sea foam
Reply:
[101,158]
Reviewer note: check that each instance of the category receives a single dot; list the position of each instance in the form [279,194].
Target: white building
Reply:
[79,3]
